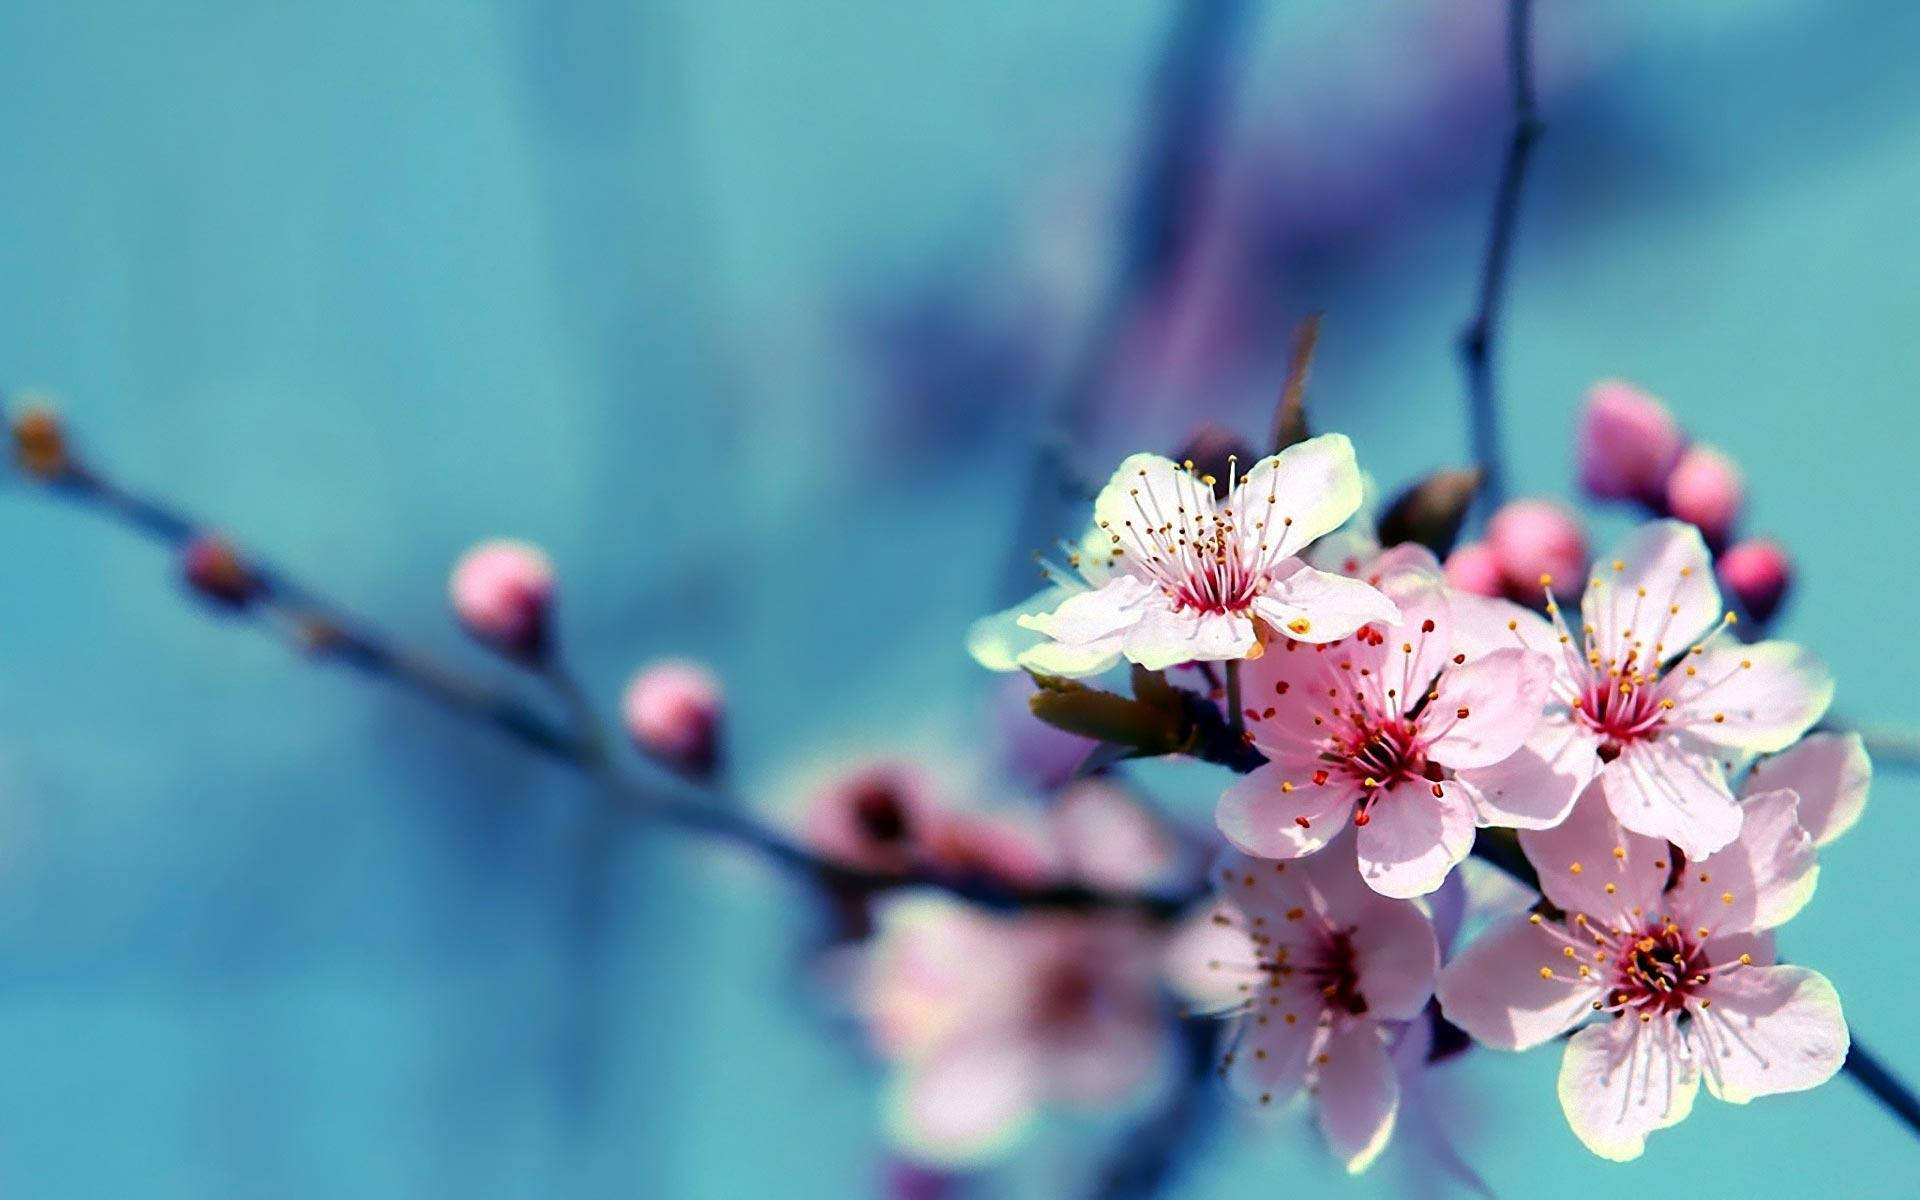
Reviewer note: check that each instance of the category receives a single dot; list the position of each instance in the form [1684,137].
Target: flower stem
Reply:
[1477,338]
[1236,720]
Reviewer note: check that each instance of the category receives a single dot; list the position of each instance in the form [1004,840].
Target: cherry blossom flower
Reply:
[1676,954]
[1627,444]
[989,1018]
[1315,971]
[1830,772]
[1175,575]
[1370,727]
[1648,693]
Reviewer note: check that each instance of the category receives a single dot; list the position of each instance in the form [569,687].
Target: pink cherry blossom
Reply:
[1108,839]
[1535,538]
[1473,567]
[1183,576]
[502,592]
[1649,693]
[873,816]
[1706,490]
[1369,728]
[1674,954]
[1628,443]
[672,711]
[989,1018]
[1316,973]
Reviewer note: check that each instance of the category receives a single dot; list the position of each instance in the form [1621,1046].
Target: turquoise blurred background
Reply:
[744,311]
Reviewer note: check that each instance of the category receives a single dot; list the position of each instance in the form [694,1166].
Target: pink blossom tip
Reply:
[1628,443]
[1475,568]
[1706,490]
[215,570]
[1536,540]
[502,591]
[1759,573]
[672,711]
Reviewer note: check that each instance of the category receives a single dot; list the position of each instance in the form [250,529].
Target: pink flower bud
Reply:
[1706,490]
[1535,540]
[216,571]
[874,817]
[1475,568]
[1759,573]
[502,592]
[672,711]
[1628,443]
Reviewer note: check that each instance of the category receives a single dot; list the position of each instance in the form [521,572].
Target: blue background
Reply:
[369,281]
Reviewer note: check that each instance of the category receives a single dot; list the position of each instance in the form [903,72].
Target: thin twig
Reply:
[1477,339]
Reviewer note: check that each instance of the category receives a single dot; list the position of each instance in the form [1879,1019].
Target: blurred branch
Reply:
[1477,339]
[1895,747]
[1180,129]
[1148,1153]
[328,632]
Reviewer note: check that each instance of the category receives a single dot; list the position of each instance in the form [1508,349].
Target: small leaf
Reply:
[1290,418]
[1431,511]
[1154,724]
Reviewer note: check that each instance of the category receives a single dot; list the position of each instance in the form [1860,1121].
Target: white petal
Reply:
[1315,606]
[1494,989]
[1673,789]
[1072,661]
[1757,698]
[1206,960]
[965,1105]
[1101,612]
[1621,1081]
[1663,594]
[997,641]
[1146,493]
[1306,490]
[1413,838]
[1163,638]
[1830,772]
[1358,1094]
[1770,1030]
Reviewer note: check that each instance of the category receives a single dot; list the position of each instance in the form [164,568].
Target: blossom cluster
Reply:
[1662,777]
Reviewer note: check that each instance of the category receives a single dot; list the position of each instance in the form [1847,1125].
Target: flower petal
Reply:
[1072,660]
[1673,789]
[1770,1030]
[1208,959]
[1396,957]
[1164,638]
[1588,853]
[1760,880]
[1655,590]
[1306,490]
[1277,811]
[1358,1094]
[1414,836]
[1146,493]
[1482,625]
[966,1104]
[1494,989]
[1088,616]
[997,641]
[1488,707]
[1268,1062]
[1621,1081]
[1316,606]
[1535,786]
[1757,698]
[1830,772]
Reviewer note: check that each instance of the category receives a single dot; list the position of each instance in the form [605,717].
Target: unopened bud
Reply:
[1627,443]
[1534,538]
[215,570]
[1215,451]
[40,443]
[1706,489]
[1475,568]
[672,712]
[502,591]
[1759,573]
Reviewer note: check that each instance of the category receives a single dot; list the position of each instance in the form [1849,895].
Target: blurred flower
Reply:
[502,591]
[1475,568]
[672,711]
[1628,444]
[1188,578]
[215,570]
[1759,573]
[1535,540]
[1106,838]
[1648,694]
[1310,964]
[1683,971]
[988,1018]
[872,817]
[1706,490]
[1368,729]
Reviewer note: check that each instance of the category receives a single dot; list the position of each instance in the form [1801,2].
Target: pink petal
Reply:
[1577,860]
[1415,837]
[1269,1062]
[1621,1081]
[1494,990]
[1502,694]
[1291,678]
[965,1105]
[1758,698]
[1316,606]
[1358,1094]
[1535,786]
[1416,650]
[1206,960]
[1262,812]
[1106,1060]
[1831,774]
[1663,594]
[1770,1030]
[1396,956]
[1760,880]
[1482,625]
[1673,789]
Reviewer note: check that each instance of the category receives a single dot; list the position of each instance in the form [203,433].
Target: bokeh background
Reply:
[747,312]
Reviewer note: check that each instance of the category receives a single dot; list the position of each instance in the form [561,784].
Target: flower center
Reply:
[1657,971]
[1380,754]
[880,814]
[1337,974]
[1621,708]
[1199,555]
